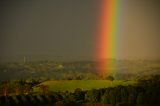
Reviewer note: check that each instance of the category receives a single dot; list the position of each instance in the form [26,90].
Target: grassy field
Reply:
[71,85]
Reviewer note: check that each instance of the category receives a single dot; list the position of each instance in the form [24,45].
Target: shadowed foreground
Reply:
[145,93]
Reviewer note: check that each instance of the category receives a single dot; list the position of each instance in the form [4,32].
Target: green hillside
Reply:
[71,85]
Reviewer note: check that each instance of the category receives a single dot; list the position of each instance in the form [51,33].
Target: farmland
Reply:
[39,83]
[71,85]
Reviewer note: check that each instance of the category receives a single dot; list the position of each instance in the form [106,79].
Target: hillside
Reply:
[71,85]
[124,69]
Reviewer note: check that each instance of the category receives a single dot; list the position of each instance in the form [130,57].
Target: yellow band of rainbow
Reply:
[107,34]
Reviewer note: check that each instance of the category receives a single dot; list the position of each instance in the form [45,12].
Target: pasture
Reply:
[71,85]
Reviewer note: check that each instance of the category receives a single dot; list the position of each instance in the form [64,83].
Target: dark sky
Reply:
[65,29]
[140,29]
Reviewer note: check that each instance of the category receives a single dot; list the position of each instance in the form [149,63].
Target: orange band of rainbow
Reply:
[107,33]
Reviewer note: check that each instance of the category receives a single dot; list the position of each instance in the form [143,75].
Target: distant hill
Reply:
[124,69]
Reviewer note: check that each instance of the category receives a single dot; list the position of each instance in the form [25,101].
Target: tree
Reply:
[111,78]
[92,95]
[132,95]
[112,94]
[68,97]
[79,95]
[105,99]
[5,88]
[59,103]
[140,98]
[44,89]
[124,94]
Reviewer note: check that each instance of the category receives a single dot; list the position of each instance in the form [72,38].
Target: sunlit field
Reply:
[71,85]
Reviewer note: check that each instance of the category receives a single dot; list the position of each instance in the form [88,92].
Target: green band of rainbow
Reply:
[107,35]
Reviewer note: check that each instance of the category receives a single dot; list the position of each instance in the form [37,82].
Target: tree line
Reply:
[145,93]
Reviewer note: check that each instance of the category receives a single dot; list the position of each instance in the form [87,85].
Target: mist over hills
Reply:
[124,69]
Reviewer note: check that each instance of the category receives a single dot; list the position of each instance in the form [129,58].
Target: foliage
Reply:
[147,94]
[111,78]
[76,70]
[92,95]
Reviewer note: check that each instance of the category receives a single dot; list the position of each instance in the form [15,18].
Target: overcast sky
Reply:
[65,29]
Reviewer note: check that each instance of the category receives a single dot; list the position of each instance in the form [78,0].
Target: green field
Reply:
[71,85]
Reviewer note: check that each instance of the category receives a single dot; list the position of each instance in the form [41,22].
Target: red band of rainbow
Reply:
[107,34]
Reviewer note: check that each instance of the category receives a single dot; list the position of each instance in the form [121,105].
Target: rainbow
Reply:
[107,35]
